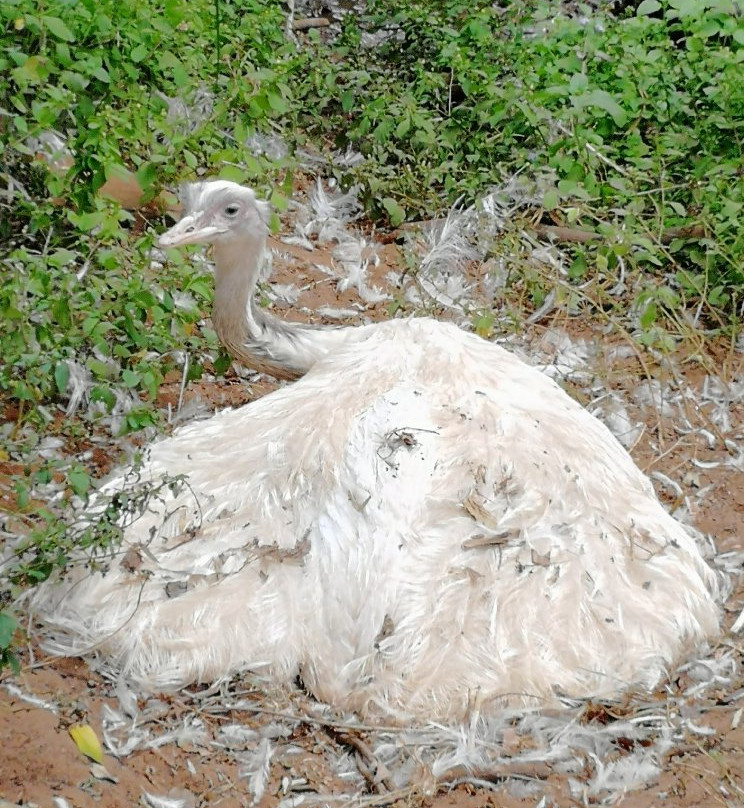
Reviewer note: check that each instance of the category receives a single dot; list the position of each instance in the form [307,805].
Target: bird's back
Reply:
[423,524]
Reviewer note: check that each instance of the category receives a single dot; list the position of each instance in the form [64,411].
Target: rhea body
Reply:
[422,526]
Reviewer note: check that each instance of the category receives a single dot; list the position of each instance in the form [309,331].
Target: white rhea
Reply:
[423,526]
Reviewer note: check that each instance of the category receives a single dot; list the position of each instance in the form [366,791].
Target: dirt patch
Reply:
[40,760]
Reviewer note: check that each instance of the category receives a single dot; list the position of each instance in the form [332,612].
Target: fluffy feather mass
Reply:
[423,527]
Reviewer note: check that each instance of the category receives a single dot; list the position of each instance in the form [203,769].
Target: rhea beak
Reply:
[188,231]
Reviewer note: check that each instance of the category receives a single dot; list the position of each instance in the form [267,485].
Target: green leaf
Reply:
[551,199]
[276,102]
[86,221]
[56,27]
[648,316]
[61,376]
[98,368]
[222,363]
[8,626]
[146,176]
[62,257]
[232,173]
[150,383]
[180,75]
[648,7]
[685,8]
[347,100]
[79,481]
[130,377]
[603,100]
[402,129]
[483,325]
[279,201]
[139,53]
[174,11]
[77,82]
[395,212]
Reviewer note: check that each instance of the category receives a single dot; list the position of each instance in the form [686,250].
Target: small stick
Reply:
[373,771]
[310,22]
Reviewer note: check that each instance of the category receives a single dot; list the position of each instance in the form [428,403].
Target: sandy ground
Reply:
[40,764]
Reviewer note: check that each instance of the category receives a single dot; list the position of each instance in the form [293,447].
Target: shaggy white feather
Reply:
[255,768]
[443,533]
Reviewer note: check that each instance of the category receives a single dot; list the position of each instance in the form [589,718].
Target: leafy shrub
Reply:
[635,117]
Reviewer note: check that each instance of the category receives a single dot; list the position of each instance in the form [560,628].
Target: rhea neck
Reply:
[254,337]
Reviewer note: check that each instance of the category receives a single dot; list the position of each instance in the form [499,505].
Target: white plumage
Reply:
[422,526]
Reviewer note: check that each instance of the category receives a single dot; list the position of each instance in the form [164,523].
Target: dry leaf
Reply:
[87,741]
[473,504]
[480,541]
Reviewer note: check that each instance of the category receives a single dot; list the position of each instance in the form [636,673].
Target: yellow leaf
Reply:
[87,742]
[19,23]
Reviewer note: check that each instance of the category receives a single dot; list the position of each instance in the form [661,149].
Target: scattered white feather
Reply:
[51,146]
[121,735]
[650,394]
[625,774]
[611,409]
[236,736]
[339,207]
[79,382]
[28,698]
[561,357]
[256,767]
[299,240]
[297,800]
[347,159]
[447,243]
[269,145]
[191,732]
[127,699]
[180,799]
[353,256]
[337,314]
[187,114]
[667,482]
[738,625]
[700,729]
[286,292]
[49,447]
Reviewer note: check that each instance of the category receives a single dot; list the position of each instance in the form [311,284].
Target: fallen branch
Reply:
[559,233]
[556,233]
[579,236]
[523,769]
[310,22]
[374,772]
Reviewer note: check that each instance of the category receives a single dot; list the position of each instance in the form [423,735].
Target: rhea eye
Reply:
[232,210]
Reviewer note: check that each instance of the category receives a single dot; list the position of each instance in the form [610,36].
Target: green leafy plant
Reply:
[8,627]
